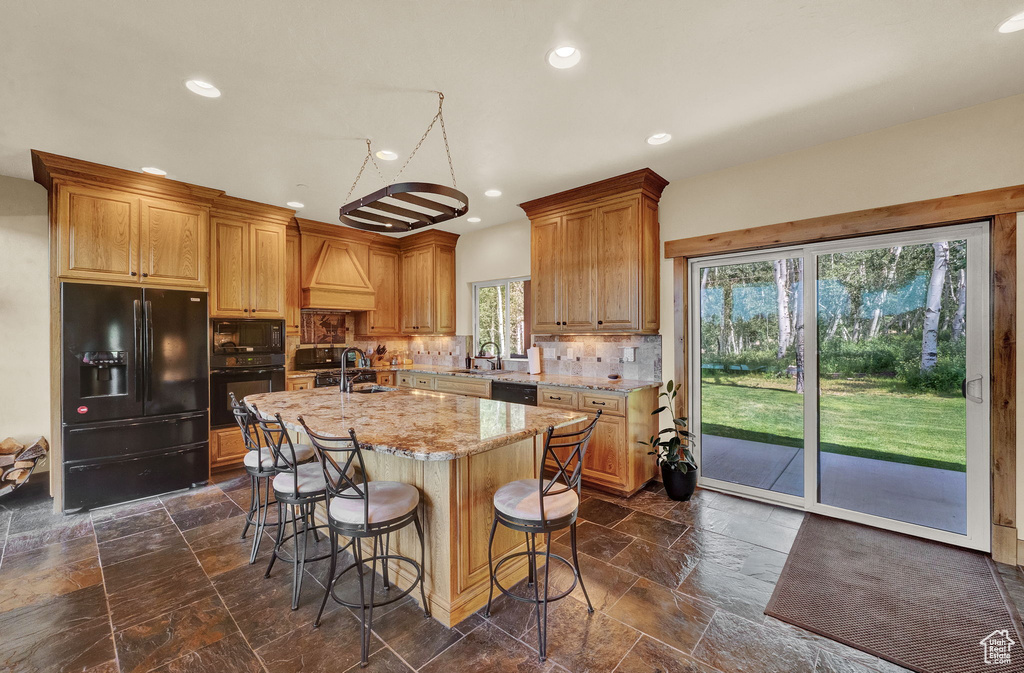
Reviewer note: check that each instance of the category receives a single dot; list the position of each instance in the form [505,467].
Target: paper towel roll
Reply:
[533,355]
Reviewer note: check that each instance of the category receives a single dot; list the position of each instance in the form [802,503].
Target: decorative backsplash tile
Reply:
[323,327]
[593,356]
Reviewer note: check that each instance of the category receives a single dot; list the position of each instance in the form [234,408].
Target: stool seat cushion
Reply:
[521,500]
[388,500]
[264,459]
[311,479]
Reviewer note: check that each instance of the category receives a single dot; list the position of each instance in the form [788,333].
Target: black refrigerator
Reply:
[134,392]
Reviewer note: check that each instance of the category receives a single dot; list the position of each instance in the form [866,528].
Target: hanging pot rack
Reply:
[405,206]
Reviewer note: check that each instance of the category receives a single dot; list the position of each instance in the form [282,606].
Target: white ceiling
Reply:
[305,82]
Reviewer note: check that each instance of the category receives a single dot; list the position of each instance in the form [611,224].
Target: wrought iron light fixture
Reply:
[406,206]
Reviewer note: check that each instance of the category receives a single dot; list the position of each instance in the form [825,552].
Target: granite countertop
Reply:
[418,424]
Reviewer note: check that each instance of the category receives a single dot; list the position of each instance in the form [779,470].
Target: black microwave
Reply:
[234,337]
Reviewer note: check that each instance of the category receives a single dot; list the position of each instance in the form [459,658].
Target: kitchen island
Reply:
[458,451]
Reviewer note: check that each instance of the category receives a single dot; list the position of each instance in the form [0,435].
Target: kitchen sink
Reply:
[482,372]
[374,389]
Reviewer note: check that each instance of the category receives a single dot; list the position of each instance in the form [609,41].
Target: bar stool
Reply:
[543,506]
[259,464]
[365,509]
[298,488]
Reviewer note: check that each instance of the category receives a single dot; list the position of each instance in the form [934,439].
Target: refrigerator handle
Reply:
[149,350]
[139,376]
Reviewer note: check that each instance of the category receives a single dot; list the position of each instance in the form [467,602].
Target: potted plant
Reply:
[672,447]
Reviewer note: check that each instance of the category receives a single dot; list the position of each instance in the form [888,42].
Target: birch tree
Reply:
[960,317]
[781,273]
[933,306]
[883,296]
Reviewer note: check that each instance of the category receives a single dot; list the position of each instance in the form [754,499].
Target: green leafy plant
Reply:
[672,445]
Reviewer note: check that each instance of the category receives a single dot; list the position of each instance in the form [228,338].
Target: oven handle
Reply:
[245,370]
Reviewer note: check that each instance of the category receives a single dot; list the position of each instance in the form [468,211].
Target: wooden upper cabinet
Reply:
[428,283]
[418,291]
[98,232]
[267,270]
[229,297]
[594,257]
[118,236]
[444,290]
[617,274]
[249,277]
[545,274]
[384,319]
[578,272]
[293,284]
[174,243]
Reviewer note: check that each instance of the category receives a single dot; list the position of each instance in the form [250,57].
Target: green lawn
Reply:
[870,418]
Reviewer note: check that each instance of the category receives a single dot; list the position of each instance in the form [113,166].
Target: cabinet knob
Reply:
[246,310]
[145,275]
[134,274]
[600,322]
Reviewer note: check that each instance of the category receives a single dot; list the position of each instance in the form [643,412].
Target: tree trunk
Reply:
[960,317]
[782,302]
[890,275]
[933,307]
[799,323]
[726,339]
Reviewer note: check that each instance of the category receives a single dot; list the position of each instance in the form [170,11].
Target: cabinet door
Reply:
[417,291]
[444,291]
[226,448]
[617,250]
[99,233]
[267,270]
[605,461]
[229,296]
[545,275]
[293,287]
[383,273]
[174,238]
[578,274]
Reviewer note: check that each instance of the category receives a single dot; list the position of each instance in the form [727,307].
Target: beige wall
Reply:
[969,150]
[502,251]
[24,311]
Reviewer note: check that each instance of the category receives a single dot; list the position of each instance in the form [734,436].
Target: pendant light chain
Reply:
[368,157]
[437,117]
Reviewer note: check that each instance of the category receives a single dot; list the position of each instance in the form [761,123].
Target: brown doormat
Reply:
[926,606]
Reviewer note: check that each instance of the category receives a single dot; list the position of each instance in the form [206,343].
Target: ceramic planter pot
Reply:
[679,485]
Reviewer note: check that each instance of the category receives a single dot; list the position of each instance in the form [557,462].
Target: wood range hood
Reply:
[335,280]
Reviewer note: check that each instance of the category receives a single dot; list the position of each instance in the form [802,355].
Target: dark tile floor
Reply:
[164,585]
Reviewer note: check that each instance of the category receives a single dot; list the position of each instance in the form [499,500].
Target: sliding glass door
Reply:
[850,379]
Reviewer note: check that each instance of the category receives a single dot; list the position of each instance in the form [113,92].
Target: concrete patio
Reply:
[926,496]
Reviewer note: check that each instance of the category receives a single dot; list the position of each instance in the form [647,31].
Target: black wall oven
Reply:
[247,358]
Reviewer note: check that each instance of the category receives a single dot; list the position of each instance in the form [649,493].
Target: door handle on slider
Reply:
[966,386]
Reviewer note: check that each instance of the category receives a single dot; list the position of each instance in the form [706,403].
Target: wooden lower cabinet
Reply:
[226,448]
[615,461]
[304,383]
[386,379]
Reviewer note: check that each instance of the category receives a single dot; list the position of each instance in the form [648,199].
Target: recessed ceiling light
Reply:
[202,88]
[386,155]
[474,220]
[563,57]
[153,170]
[659,138]
[1013,24]
[295,204]
[492,192]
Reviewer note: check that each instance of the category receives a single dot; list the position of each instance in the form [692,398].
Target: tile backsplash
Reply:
[592,356]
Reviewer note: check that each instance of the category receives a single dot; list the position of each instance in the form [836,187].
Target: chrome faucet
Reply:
[346,385]
[496,362]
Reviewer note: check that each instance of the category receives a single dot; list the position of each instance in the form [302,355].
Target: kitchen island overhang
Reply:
[457,451]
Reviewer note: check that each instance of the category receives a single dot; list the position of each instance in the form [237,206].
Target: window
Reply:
[499,315]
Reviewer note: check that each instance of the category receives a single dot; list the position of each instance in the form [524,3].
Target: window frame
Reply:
[474,293]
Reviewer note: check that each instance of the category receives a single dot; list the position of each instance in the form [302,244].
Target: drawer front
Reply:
[423,382]
[463,386]
[556,397]
[610,404]
[386,378]
[405,380]
[299,384]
